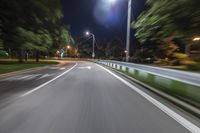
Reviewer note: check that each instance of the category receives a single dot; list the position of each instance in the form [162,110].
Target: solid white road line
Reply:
[87,67]
[37,88]
[184,122]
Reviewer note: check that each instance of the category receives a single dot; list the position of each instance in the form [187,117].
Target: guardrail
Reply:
[183,85]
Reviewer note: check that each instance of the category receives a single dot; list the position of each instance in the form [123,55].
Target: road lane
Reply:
[12,86]
[86,101]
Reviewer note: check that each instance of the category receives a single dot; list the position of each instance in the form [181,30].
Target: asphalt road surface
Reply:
[83,98]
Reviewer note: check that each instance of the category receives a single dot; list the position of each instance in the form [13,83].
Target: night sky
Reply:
[106,21]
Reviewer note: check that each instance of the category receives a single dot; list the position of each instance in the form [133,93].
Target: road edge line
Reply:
[187,107]
[48,82]
[181,120]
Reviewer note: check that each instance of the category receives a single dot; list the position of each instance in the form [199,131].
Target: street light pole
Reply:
[93,43]
[93,52]
[128,31]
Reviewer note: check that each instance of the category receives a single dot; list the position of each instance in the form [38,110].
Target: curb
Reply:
[187,107]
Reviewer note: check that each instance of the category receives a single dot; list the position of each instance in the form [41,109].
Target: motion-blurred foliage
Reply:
[169,23]
[32,25]
[168,19]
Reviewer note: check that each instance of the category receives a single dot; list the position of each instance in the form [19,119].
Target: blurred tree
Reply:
[84,47]
[166,20]
[65,37]
[36,41]
[115,49]
[1,41]
[101,50]
[31,24]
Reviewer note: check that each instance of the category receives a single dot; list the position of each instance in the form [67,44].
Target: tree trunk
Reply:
[25,56]
[37,54]
[187,49]
[20,56]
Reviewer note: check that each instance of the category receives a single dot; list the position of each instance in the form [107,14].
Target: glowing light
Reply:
[57,52]
[87,33]
[112,1]
[108,13]
[196,39]
[68,47]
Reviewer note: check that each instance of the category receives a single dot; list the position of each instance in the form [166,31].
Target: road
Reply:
[186,77]
[84,98]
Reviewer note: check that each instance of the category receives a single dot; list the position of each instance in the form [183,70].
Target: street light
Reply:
[128,30]
[68,47]
[196,39]
[112,1]
[93,42]
[87,33]
[128,27]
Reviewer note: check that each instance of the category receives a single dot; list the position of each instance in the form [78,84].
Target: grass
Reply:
[187,93]
[12,66]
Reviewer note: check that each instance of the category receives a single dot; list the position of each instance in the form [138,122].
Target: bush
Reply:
[3,54]
[180,55]
[193,66]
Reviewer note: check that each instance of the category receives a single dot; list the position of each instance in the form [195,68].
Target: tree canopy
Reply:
[167,19]
[115,49]
[33,25]
[169,26]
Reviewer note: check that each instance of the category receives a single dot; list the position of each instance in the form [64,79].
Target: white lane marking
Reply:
[32,76]
[37,88]
[12,78]
[184,122]
[54,68]
[22,77]
[63,68]
[44,76]
[88,67]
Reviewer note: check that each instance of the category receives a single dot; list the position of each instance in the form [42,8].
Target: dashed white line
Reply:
[181,120]
[39,87]
[45,75]
[63,68]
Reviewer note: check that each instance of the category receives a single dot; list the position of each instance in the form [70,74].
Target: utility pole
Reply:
[128,31]
[93,53]
[93,42]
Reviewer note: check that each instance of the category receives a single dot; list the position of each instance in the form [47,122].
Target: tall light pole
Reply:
[93,42]
[128,27]
[128,30]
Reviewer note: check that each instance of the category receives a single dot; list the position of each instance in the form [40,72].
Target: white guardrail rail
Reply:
[184,85]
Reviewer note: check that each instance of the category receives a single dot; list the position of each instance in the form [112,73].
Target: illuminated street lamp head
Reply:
[87,33]
[196,39]
[68,47]
[112,1]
